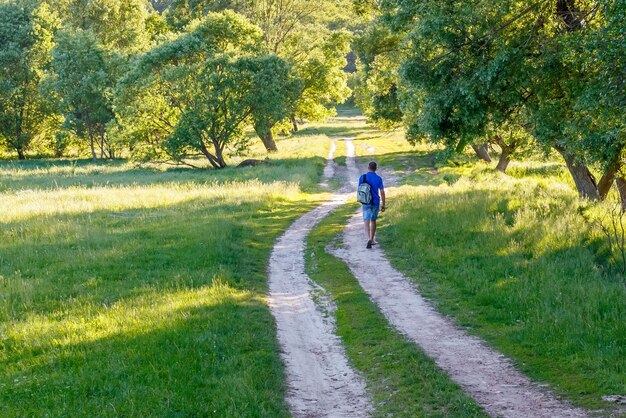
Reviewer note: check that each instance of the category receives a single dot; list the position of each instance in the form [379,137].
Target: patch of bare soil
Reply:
[319,379]
[485,374]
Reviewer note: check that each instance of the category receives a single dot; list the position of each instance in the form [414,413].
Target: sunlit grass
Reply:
[139,291]
[401,380]
[513,258]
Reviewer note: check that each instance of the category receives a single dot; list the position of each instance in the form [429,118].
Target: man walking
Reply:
[370,211]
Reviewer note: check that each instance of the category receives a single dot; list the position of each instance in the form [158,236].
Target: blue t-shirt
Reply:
[376,183]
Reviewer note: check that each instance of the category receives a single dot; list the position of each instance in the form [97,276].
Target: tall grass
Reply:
[401,380]
[513,259]
[130,291]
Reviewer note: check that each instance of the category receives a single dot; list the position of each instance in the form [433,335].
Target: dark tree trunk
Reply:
[505,156]
[212,159]
[294,122]
[584,180]
[606,182]
[482,152]
[20,154]
[621,187]
[92,144]
[503,162]
[219,154]
[93,148]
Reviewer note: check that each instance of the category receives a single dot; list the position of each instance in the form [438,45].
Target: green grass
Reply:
[513,259]
[401,379]
[140,291]
[128,291]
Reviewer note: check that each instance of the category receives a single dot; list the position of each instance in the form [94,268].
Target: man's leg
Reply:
[372,229]
[367,229]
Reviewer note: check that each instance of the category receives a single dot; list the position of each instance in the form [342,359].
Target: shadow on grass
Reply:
[52,175]
[334,130]
[134,250]
[520,280]
[206,359]
[216,360]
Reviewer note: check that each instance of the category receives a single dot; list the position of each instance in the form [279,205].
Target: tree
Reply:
[599,97]
[156,91]
[197,92]
[474,68]
[380,52]
[182,12]
[25,41]
[226,95]
[324,81]
[276,90]
[119,25]
[301,32]
[459,85]
[81,85]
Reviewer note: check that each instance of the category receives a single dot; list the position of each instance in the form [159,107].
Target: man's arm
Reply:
[382,199]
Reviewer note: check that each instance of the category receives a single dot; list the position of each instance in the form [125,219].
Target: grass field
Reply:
[401,380]
[513,259]
[130,291]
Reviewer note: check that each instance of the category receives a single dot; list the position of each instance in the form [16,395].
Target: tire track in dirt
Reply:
[486,375]
[320,382]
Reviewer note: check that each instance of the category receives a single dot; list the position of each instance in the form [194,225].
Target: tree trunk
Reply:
[605,183]
[219,154]
[106,145]
[482,152]
[212,159]
[268,141]
[584,180]
[93,148]
[20,154]
[621,187]
[92,144]
[294,122]
[504,160]
[267,137]
[505,156]
[101,145]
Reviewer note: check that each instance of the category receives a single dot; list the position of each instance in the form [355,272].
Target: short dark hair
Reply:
[372,166]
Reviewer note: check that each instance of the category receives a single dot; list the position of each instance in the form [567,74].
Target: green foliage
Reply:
[462,77]
[276,88]
[219,102]
[25,43]
[80,86]
[153,94]
[208,84]
[306,34]
[117,24]
[600,97]
[380,51]
[507,72]
[126,94]
[325,82]
[182,12]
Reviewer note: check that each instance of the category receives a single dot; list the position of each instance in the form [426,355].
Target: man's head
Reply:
[372,166]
